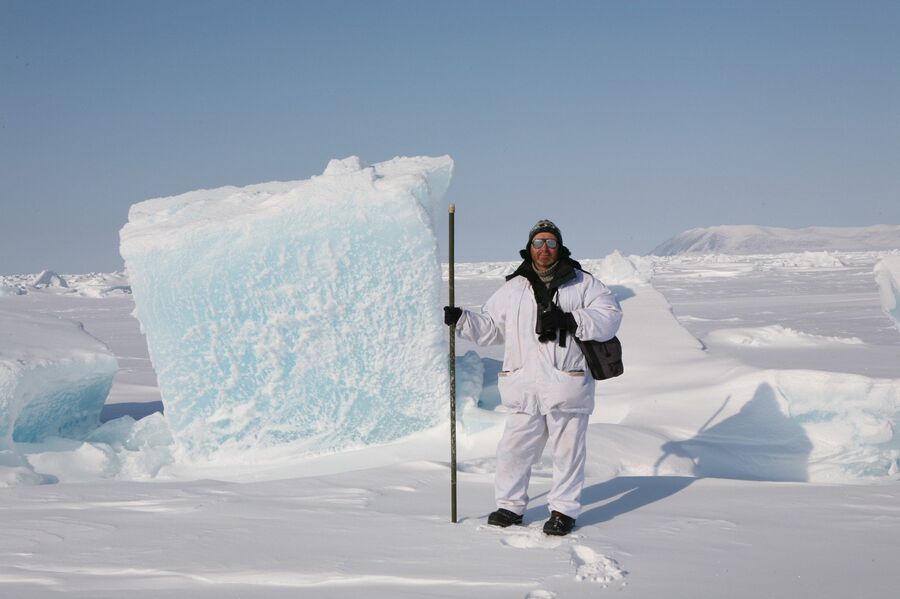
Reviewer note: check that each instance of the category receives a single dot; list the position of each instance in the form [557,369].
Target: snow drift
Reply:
[298,314]
[774,336]
[753,239]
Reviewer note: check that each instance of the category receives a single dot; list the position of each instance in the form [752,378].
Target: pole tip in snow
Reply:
[452,208]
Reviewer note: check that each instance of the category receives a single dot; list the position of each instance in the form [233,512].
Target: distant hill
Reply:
[753,239]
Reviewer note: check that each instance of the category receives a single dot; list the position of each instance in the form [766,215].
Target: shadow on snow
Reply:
[758,443]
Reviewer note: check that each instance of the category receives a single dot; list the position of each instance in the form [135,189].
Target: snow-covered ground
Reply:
[748,451]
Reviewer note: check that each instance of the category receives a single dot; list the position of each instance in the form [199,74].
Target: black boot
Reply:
[504,518]
[559,524]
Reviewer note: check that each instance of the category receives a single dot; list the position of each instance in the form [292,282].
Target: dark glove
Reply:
[554,319]
[451,315]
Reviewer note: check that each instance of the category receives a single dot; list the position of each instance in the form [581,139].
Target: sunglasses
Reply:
[539,243]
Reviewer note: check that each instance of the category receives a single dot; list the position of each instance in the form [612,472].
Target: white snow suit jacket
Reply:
[538,377]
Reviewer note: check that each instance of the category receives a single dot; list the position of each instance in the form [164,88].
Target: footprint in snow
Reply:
[589,565]
[529,538]
[521,537]
[595,567]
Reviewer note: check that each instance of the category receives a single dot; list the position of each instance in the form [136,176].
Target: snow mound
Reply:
[298,317]
[54,379]
[616,268]
[753,239]
[803,426]
[887,276]
[774,336]
[682,411]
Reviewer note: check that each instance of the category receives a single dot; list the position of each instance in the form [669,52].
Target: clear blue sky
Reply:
[625,122]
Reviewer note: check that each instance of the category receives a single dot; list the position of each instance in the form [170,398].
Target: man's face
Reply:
[544,257]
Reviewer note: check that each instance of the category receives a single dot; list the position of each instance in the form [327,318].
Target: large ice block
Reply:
[299,314]
[54,378]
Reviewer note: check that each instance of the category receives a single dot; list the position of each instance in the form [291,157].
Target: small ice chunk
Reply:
[139,448]
[54,378]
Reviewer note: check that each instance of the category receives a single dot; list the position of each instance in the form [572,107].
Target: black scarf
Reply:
[565,272]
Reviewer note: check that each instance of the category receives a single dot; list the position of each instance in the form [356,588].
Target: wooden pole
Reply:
[452,211]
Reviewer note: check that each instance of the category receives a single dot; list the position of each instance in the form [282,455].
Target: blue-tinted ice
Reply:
[302,313]
[54,379]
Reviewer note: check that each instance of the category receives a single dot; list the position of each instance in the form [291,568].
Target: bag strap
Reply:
[545,297]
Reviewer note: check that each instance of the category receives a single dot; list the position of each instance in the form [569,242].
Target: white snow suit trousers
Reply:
[521,446]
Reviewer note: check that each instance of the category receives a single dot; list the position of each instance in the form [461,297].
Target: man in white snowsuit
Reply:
[545,383]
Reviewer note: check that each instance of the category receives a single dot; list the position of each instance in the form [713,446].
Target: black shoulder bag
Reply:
[604,358]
